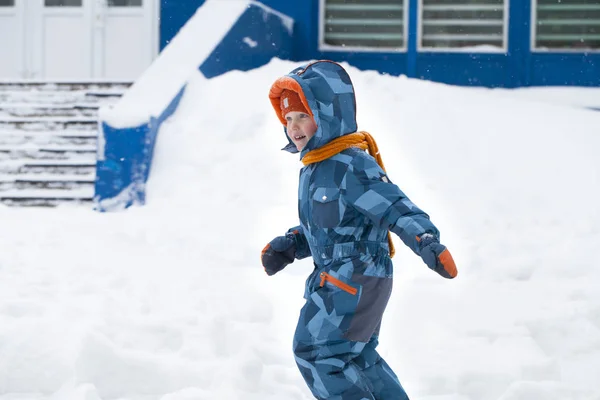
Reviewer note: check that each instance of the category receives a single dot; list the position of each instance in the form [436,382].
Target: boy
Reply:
[347,207]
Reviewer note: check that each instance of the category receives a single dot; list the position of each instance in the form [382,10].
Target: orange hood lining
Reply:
[281,84]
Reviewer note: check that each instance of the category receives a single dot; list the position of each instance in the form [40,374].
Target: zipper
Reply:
[325,277]
[300,73]
[316,62]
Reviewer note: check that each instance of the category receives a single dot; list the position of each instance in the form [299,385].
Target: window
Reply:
[124,3]
[464,25]
[7,3]
[567,24]
[367,24]
[62,3]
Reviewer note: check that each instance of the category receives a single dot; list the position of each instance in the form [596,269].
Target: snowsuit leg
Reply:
[335,341]
[384,381]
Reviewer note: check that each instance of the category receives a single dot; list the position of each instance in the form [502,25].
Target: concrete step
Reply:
[46,155]
[46,197]
[46,177]
[45,202]
[25,110]
[48,140]
[39,139]
[47,148]
[48,123]
[70,166]
[17,133]
[99,97]
[65,85]
[27,184]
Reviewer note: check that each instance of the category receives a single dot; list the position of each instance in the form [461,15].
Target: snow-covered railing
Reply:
[220,37]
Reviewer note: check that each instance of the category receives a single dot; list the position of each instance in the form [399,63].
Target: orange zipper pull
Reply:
[336,282]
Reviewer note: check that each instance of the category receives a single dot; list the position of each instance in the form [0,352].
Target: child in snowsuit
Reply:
[347,207]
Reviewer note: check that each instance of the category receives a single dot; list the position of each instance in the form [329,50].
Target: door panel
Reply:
[125,56]
[66,47]
[61,39]
[12,64]
[128,45]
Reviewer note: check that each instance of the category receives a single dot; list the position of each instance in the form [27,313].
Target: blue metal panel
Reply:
[413,38]
[518,67]
[565,69]
[306,25]
[253,41]
[386,63]
[519,41]
[122,175]
[490,70]
[474,69]
[173,15]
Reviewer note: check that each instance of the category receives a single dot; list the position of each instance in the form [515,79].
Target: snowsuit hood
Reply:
[327,92]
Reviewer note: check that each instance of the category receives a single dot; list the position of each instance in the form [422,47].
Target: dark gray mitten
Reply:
[278,253]
[436,256]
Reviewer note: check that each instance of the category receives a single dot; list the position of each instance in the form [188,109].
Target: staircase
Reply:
[48,134]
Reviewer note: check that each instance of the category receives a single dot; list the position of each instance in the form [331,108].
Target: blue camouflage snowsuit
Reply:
[347,205]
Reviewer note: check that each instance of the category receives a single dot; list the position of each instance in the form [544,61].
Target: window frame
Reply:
[324,47]
[539,50]
[502,50]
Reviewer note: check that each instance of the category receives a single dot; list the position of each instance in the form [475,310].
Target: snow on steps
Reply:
[48,136]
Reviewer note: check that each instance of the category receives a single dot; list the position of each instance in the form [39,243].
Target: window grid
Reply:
[124,3]
[463,25]
[566,25]
[63,3]
[363,25]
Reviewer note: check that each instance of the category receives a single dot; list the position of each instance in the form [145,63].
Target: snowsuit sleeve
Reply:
[369,191]
[302,248]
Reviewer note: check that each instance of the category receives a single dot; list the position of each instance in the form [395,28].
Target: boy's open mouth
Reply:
[299,137]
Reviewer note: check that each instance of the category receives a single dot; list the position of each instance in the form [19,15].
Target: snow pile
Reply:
[150,95]
[169,301]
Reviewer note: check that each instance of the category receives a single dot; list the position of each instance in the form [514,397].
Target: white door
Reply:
[77,39]
[12,57]
[61,41]
[127,37]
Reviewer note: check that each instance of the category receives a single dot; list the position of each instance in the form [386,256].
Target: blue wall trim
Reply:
[411,58]
[173,15]
[519,66]
[245,48]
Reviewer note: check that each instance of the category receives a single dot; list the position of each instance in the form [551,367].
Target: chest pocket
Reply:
[326,207]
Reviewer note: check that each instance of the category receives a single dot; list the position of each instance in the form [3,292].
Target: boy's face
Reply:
[300,128]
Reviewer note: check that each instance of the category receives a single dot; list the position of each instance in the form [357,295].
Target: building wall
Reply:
[518,66]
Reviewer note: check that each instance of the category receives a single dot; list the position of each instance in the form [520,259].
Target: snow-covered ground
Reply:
[169,301]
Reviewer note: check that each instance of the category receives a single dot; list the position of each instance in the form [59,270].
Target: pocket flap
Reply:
[325,195]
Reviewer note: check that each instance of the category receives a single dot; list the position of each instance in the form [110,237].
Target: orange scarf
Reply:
[362,140]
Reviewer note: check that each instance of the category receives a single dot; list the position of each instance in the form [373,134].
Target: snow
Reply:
[41,177]
[574,96]
[169,301]
[160,83]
